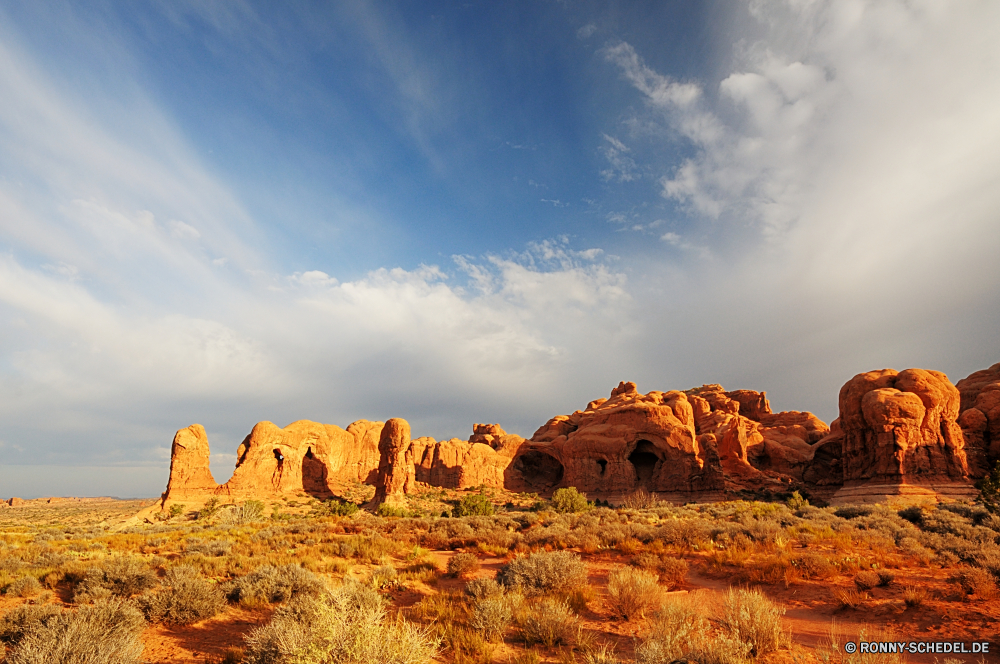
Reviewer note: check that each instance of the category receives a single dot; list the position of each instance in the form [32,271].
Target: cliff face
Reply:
[898,433]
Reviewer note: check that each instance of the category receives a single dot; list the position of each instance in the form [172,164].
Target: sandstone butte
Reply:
[899,436]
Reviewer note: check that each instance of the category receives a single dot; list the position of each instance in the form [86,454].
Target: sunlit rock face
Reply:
[909,432]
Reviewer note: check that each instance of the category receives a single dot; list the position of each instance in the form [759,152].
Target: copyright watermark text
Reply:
[917,647]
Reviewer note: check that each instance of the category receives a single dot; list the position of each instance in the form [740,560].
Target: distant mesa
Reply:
[900,435]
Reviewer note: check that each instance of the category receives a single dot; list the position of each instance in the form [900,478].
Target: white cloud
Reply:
[623,166]
[586,31]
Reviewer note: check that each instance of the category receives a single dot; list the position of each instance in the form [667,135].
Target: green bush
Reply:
[209,509]
[334,507]
[106,633]
[569,500]
[989,490]
[185,598]
[347,624]
[477,504]
[123,576]
[544,572]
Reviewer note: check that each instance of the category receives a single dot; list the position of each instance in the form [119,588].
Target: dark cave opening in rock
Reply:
[603,464]
[539,469]
[644,459]
[314,475]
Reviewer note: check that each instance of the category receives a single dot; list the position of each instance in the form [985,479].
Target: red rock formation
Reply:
[190,475]
[980,418]
[901,426]
[304,457]
[459,464]
[14,502]
[395,476]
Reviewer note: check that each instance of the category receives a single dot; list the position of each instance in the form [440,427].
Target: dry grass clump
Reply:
[679,632]
[269,583]
[549,622]
[849,599]
[640,499]
[914,596]
[122,576]
[346,624]
[755,620]
[463,564]
[25,586]
[544,572]
[632,592]
[106,633]
[185,598]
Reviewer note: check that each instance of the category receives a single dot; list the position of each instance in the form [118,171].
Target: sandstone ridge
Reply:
[899,434]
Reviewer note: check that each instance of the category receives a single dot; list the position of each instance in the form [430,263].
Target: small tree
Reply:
[477,504]
[989,490]
[570,500]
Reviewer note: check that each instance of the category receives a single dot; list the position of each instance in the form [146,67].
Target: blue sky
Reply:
[225,212]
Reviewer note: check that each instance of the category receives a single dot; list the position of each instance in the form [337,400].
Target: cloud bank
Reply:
[835,211]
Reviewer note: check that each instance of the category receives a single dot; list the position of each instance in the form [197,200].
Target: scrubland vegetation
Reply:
[557,581]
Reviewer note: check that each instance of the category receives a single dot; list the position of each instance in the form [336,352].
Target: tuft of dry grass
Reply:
[549,622]
[914,596]
[866,580]
[632,592]
[849,599]
[755,620]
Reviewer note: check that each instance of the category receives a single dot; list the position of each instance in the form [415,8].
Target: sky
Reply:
[225,212]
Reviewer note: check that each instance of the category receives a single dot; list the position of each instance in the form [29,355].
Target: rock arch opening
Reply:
[644,459]
[603,464]
[539,469]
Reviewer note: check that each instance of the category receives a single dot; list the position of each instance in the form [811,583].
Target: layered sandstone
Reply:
[190,474]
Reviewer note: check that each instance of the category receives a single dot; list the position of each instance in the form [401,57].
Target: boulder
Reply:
[980,418]
[902,427]
[460,464]
[396,476]
[15,502]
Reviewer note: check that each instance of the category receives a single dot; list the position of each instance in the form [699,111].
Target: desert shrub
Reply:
[106,633]
[549,622]
[123,576]
[885,577]
[543,572]
[866,580]
[483,588]
[569,500]
[26,586]
[814,566]
[211,548]
[679,632]
[209,509]
[796,502]
[632,592]
[23,619]
[989,490]
[334,507]
[185,598]
[347,624]
[491,617]
[671,571]
[640,499]
[239,515]
[272,584]
[754,620]
[975,581]
[462,564]
[853,511]
[476,504]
